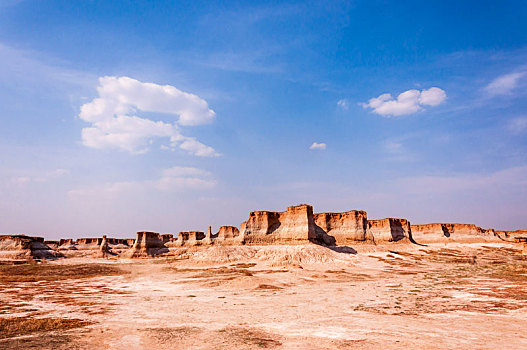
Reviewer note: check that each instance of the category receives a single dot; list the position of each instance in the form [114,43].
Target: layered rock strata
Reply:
[389,230]
[297,225]
[147,244]
[444,232]
[294,226]
[344,228]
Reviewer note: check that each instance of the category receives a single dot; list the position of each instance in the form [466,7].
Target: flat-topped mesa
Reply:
[147,244]
[441,232]
[294,226]
[190,238]
[389,230]
[88,241]
[347,227]
[22,247]
[167,237]
[65,241]
[227,234]
[510,236]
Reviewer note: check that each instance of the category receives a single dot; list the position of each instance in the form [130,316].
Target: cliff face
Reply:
[146,244]
[294,226]
[345,228]
[389,230]
[443,232]
[190,238]
[226,233]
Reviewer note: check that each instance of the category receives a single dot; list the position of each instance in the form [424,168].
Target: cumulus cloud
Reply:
[504,84]
[114,123]
[343,103]
[319,146]
[171,179]
[408,102]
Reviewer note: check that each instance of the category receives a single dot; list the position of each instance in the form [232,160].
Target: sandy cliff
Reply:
[345,228]
[389,230]
[294,226]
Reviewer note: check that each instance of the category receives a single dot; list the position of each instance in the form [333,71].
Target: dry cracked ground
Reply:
[394,297]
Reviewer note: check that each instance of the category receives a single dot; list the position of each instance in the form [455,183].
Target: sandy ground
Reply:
[394,297]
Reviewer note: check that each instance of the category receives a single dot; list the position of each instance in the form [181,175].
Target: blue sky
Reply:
[169,116]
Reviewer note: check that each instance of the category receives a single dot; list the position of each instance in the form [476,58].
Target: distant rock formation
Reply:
[22,247]
[147,244]
[444,232]
[297,225]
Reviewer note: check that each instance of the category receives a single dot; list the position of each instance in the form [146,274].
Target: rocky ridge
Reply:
[297,225]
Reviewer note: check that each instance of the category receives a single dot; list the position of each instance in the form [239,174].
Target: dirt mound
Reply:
[274,255]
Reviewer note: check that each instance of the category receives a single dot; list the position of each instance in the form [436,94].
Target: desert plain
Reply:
[372,293]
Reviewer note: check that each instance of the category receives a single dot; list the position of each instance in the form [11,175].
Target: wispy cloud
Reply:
[33,67]
[39,178]
[115,125]
[343,103]
[505,84]
[171,180]
[408,102]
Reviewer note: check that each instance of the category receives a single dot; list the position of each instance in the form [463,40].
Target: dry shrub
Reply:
[252,337]
[268,287]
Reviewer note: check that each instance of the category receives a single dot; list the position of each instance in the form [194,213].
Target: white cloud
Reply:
[504,84]
[40,178]
[319,146]
[343,103]
[517,125]
[172,179]
[408,102]
[115,125]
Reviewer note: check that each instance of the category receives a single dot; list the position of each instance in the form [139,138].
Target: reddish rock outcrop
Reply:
[389,230]
[444,232]
[104,251]
[344,228]
[89,241]
[227,233]
[147,244]
[294,226]
[22,247]
[66,241]
[52,244]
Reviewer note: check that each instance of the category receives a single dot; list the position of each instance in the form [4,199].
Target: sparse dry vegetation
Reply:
[34,272]
[18,326]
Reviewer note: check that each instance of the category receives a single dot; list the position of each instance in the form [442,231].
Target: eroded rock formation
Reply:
[227,234]
[297,225]
[444,232]
[294,226]
[147,244]
[344,228]
[22,247]
[389,230]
